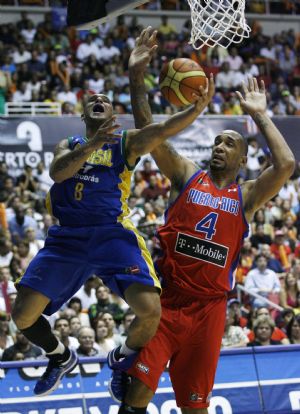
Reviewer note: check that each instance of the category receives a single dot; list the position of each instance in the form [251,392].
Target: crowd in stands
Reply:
[48,63]
[40,63]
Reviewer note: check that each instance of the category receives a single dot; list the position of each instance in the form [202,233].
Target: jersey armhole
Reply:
[123,152]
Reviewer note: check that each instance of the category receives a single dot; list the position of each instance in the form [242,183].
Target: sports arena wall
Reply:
[259,380]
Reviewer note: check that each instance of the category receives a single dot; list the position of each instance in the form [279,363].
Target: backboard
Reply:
[86,14]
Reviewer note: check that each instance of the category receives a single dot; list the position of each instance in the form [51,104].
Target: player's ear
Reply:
[243,162]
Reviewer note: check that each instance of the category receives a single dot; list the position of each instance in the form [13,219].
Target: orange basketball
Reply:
[180,79]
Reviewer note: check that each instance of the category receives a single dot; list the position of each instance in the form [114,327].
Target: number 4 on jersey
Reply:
[208,225]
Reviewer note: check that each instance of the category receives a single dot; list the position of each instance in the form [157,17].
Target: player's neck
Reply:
[91,131]
[219,180]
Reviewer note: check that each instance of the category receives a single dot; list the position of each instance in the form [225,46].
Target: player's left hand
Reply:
[145,46]
[254,99]
[205,95]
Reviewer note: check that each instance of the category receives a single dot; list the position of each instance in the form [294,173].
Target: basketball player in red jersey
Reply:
[204,229]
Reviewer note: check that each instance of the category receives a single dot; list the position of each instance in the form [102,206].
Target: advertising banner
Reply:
[31,140]
[261,380]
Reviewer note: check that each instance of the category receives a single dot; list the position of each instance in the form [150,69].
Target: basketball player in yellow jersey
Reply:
[92,176]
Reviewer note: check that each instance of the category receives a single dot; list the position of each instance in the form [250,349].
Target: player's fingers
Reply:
[211,84]
[153,38]
[256,88]
[153,49]
[251,84]
[240,96]
[262,87]
[138,41]
[142,36]
[147,34]
[244,87]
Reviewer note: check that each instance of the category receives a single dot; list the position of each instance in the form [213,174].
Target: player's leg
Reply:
[198,355]
[137,398]
[145,303]
[51,278]
[149,366]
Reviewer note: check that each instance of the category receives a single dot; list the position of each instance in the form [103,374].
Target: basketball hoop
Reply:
[218,22]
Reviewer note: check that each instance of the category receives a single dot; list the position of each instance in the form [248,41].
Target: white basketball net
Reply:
[218,22]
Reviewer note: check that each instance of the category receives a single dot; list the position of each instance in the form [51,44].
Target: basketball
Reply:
[179,79]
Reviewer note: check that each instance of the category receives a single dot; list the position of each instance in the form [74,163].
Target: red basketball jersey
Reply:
[202,237]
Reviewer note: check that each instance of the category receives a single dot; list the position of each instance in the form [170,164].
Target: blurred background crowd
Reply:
[48,63]
[44,63]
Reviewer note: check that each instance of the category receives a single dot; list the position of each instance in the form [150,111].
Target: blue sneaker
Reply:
[118,384]
[56,369]
[119,362]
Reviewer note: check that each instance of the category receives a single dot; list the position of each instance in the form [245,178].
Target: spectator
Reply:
[293,330]
[86,338]
[272,263]
[259,237]
[127,319]
[234,305]
[76,306]
[112,334]
[103,344]
[43,178]
[6,288]
[280,250]
[235,61]
[27,181]
[87,293]
[289,292]
[87,48]
[103,305]
[166,28]
[6,339]
[263,328]
[6,253]
[22,349]
[234,336]
[277,334]
[62,326]
[262,281]
[75,325]
[225,79]
[153,191]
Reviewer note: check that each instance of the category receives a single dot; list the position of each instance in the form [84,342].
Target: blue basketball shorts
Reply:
[115,252]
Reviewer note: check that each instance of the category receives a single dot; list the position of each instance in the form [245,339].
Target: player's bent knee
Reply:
[28,307]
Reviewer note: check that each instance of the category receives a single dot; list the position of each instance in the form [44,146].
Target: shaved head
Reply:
[239,137]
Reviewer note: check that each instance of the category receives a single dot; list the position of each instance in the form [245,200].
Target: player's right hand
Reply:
[205,95]
[105,134]
[145,46]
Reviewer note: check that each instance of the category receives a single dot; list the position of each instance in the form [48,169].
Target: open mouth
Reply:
[217,157]
[98,108]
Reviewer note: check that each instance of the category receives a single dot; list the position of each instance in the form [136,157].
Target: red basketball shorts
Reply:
[189,336]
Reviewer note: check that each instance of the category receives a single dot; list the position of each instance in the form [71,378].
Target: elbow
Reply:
[56,177]
[289,165]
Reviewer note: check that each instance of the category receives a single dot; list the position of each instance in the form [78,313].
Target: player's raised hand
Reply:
[145,46]
[106,133]
[205,95]
[254,99]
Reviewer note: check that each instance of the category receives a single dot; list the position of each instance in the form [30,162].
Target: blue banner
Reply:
[257,380]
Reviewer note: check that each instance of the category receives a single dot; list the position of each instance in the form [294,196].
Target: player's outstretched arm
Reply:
[66,162]
[176,167]
[257,192]
[143,141]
